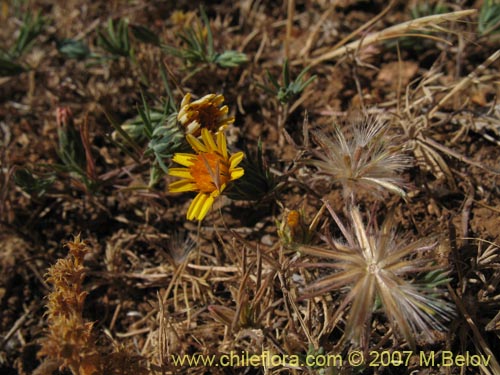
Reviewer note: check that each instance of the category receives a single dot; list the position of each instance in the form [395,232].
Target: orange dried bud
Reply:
[293,219]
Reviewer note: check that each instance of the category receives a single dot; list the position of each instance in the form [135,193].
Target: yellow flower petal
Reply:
[208,139]
[222,144]
[186,100]
[182,186]
[196,205]
[192,127]
[218,100]
[216,193]
[209,169]
[196,144]
[237,173]
[236,159]
[224,110]
[180,172]
[205,208]
[184,159]
[207,98]
[182,116]
[221,128]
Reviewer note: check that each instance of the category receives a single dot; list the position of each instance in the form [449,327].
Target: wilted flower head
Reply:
[204,113]
[381,264]
[362,156]
[208,171]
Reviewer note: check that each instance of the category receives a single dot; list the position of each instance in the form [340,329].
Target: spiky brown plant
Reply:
[70,342]
[69,338]
[361,156]
[378,265]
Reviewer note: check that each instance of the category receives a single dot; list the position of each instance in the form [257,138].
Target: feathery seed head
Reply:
[381,264]
[361,156]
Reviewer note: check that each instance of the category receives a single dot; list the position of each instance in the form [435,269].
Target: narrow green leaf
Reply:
[144,35]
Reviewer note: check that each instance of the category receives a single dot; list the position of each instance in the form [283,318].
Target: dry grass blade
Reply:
[479,341]
[351,35]
[494,324]
[429,143]
[465,82]
[394,32]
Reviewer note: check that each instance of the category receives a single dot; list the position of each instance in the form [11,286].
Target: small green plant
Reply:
[116,40]
[199,48]
[138,127]
[35,184]
[489,17]
[8,66]
[153,133]
[74,151]
[285,93]
[144,35]
[74,49]
[165,139]
[156,127]
[290,89]
[31,27]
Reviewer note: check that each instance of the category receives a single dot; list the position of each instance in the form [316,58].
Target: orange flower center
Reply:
[210,171]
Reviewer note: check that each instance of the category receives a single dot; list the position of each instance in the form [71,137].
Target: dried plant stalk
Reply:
[70,341]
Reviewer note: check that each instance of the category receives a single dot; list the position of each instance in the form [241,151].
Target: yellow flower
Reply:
[180,18]
[208,171]
[204,113]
